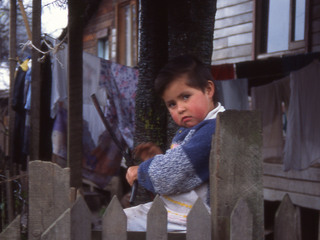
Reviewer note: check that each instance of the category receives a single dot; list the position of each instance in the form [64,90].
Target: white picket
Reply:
[114,222]
[157,221]
[241,221]
[199,222]
[287,221]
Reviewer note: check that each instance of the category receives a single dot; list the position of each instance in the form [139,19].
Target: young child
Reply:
[181,175]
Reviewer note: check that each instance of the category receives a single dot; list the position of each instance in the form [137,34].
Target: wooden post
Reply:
[2,224]
[9,196]
[75,48]
[319,226]
[13,63]
[35,85]
[236,171]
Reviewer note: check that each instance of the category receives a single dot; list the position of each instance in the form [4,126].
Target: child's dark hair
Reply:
[197,74]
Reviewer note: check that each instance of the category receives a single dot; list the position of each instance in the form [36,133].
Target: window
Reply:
[299,20]
[282,25]
[278,25]
[104,48]
[127,33]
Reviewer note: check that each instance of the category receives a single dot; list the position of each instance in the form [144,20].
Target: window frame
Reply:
[102,35]
[104,39]
[260,35]
[121,33]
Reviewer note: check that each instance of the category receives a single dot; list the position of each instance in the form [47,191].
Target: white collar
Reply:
[213,113]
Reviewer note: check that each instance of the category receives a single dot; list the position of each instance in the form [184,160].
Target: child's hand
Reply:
[144,151]
[132,174]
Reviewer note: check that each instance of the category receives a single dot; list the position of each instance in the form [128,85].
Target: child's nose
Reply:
[181,108]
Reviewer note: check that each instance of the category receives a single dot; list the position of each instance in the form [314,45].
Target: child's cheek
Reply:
[175,118]
[199,113]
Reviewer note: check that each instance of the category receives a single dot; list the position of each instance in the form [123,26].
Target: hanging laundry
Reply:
[233,94]
[302,145]
[283,93]
[27,106]
[91,78]
[59,137]
[17,104]
[121,83]
[115,87]
[59,89]
[268,100]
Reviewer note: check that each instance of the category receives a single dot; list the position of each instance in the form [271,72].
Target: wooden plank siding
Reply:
[98,25]
[233,31]
[303,187]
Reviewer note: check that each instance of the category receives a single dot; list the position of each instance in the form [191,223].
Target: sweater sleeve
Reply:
[182,168]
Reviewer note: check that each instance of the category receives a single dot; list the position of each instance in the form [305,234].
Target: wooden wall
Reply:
[233,31]
[303,187]
[98,25]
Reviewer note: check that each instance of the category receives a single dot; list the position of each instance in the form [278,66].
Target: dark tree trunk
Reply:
[190,27]
[150,112]
[168,29]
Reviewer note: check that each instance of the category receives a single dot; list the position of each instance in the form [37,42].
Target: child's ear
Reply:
[210,88]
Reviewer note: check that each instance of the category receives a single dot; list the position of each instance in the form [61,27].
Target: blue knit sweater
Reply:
[184,166]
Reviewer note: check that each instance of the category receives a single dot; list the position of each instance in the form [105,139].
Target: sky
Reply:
[53,20]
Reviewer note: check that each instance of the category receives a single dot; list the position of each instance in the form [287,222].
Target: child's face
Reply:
[187,105]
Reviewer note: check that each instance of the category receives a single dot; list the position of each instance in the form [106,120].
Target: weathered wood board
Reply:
[49,193]
[236,171]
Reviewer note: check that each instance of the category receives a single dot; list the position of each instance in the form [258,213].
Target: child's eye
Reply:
[186,97]
[171,105]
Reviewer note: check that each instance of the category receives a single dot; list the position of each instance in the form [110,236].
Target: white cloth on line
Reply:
[266,100]
[302,143]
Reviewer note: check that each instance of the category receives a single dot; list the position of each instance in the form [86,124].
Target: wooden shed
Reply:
[243,35]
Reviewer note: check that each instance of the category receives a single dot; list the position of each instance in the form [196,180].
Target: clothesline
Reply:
[52,50]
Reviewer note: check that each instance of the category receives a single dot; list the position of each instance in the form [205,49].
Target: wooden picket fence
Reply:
[287,223]
[57,211]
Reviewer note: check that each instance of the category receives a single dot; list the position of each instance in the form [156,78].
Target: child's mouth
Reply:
[186,119]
